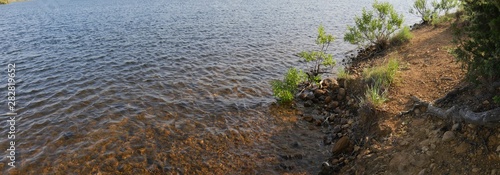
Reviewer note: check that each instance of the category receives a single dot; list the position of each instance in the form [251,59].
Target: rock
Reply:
[308,103]
[343,121]
[462,148]
[422,172]
[341,145]
[303,96]
[328,99]
[356,148]
[306,95]
[300,113]
[455,127]
[493,141]
[342,92]
[498,148]
[475,170]
[336,129]
[404,143]
[318,122]
[351,102]
[417,111]
[333,105]
[350,121]
[330,83]
[472,126]
[296,145]
[493,172]
[319,92]
[346,126]
[448,136]
[400,163]
[308,118]
[486,102]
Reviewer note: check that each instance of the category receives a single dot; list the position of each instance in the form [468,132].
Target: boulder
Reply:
[329,83]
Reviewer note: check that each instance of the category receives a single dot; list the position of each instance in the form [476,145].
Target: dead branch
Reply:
[489,118]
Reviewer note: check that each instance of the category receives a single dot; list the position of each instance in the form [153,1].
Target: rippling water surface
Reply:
[172,86]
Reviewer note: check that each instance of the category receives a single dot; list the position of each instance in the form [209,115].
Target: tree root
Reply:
[489,118]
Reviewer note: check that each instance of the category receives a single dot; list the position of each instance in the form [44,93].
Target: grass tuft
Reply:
[379,79]
[403,36]
[386,73]
[376,94]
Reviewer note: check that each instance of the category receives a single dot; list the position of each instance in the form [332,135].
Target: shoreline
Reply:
[381,140]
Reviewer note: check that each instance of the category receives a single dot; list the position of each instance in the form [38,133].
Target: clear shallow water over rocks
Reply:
[111,83]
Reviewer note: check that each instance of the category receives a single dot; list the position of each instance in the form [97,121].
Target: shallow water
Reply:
[134,86]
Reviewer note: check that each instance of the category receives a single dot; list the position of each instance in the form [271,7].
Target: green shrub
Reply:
[479,42]
[421,8]
[284,90]
[496,99]
[386,74]
[374,29]
[430,14]
[403,36]
[319,57]
[376,93]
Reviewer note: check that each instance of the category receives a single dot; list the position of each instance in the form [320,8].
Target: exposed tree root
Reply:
[489,118]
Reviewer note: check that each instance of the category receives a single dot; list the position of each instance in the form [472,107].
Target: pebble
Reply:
[319,92]
[493,172]
[423,172]
[498,148]
[328,99]
[448,136]
[462,148]
[308,118]
[334,104]
[342,92]
[296,145]
[475,170]
[455,126]
[350,121]
[486,102]
[308,103]
[432,166]
[336,129]
[341,145]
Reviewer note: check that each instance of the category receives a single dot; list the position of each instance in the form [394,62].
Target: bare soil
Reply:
[418,143]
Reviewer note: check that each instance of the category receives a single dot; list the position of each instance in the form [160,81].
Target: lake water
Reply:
[172,86]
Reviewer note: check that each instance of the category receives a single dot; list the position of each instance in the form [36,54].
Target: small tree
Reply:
[429,14]
[447,5]
[319,57]
[284,90]
[375,29]
[421,8]
[479,49]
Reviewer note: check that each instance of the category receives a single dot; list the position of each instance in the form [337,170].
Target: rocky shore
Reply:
[385,140]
